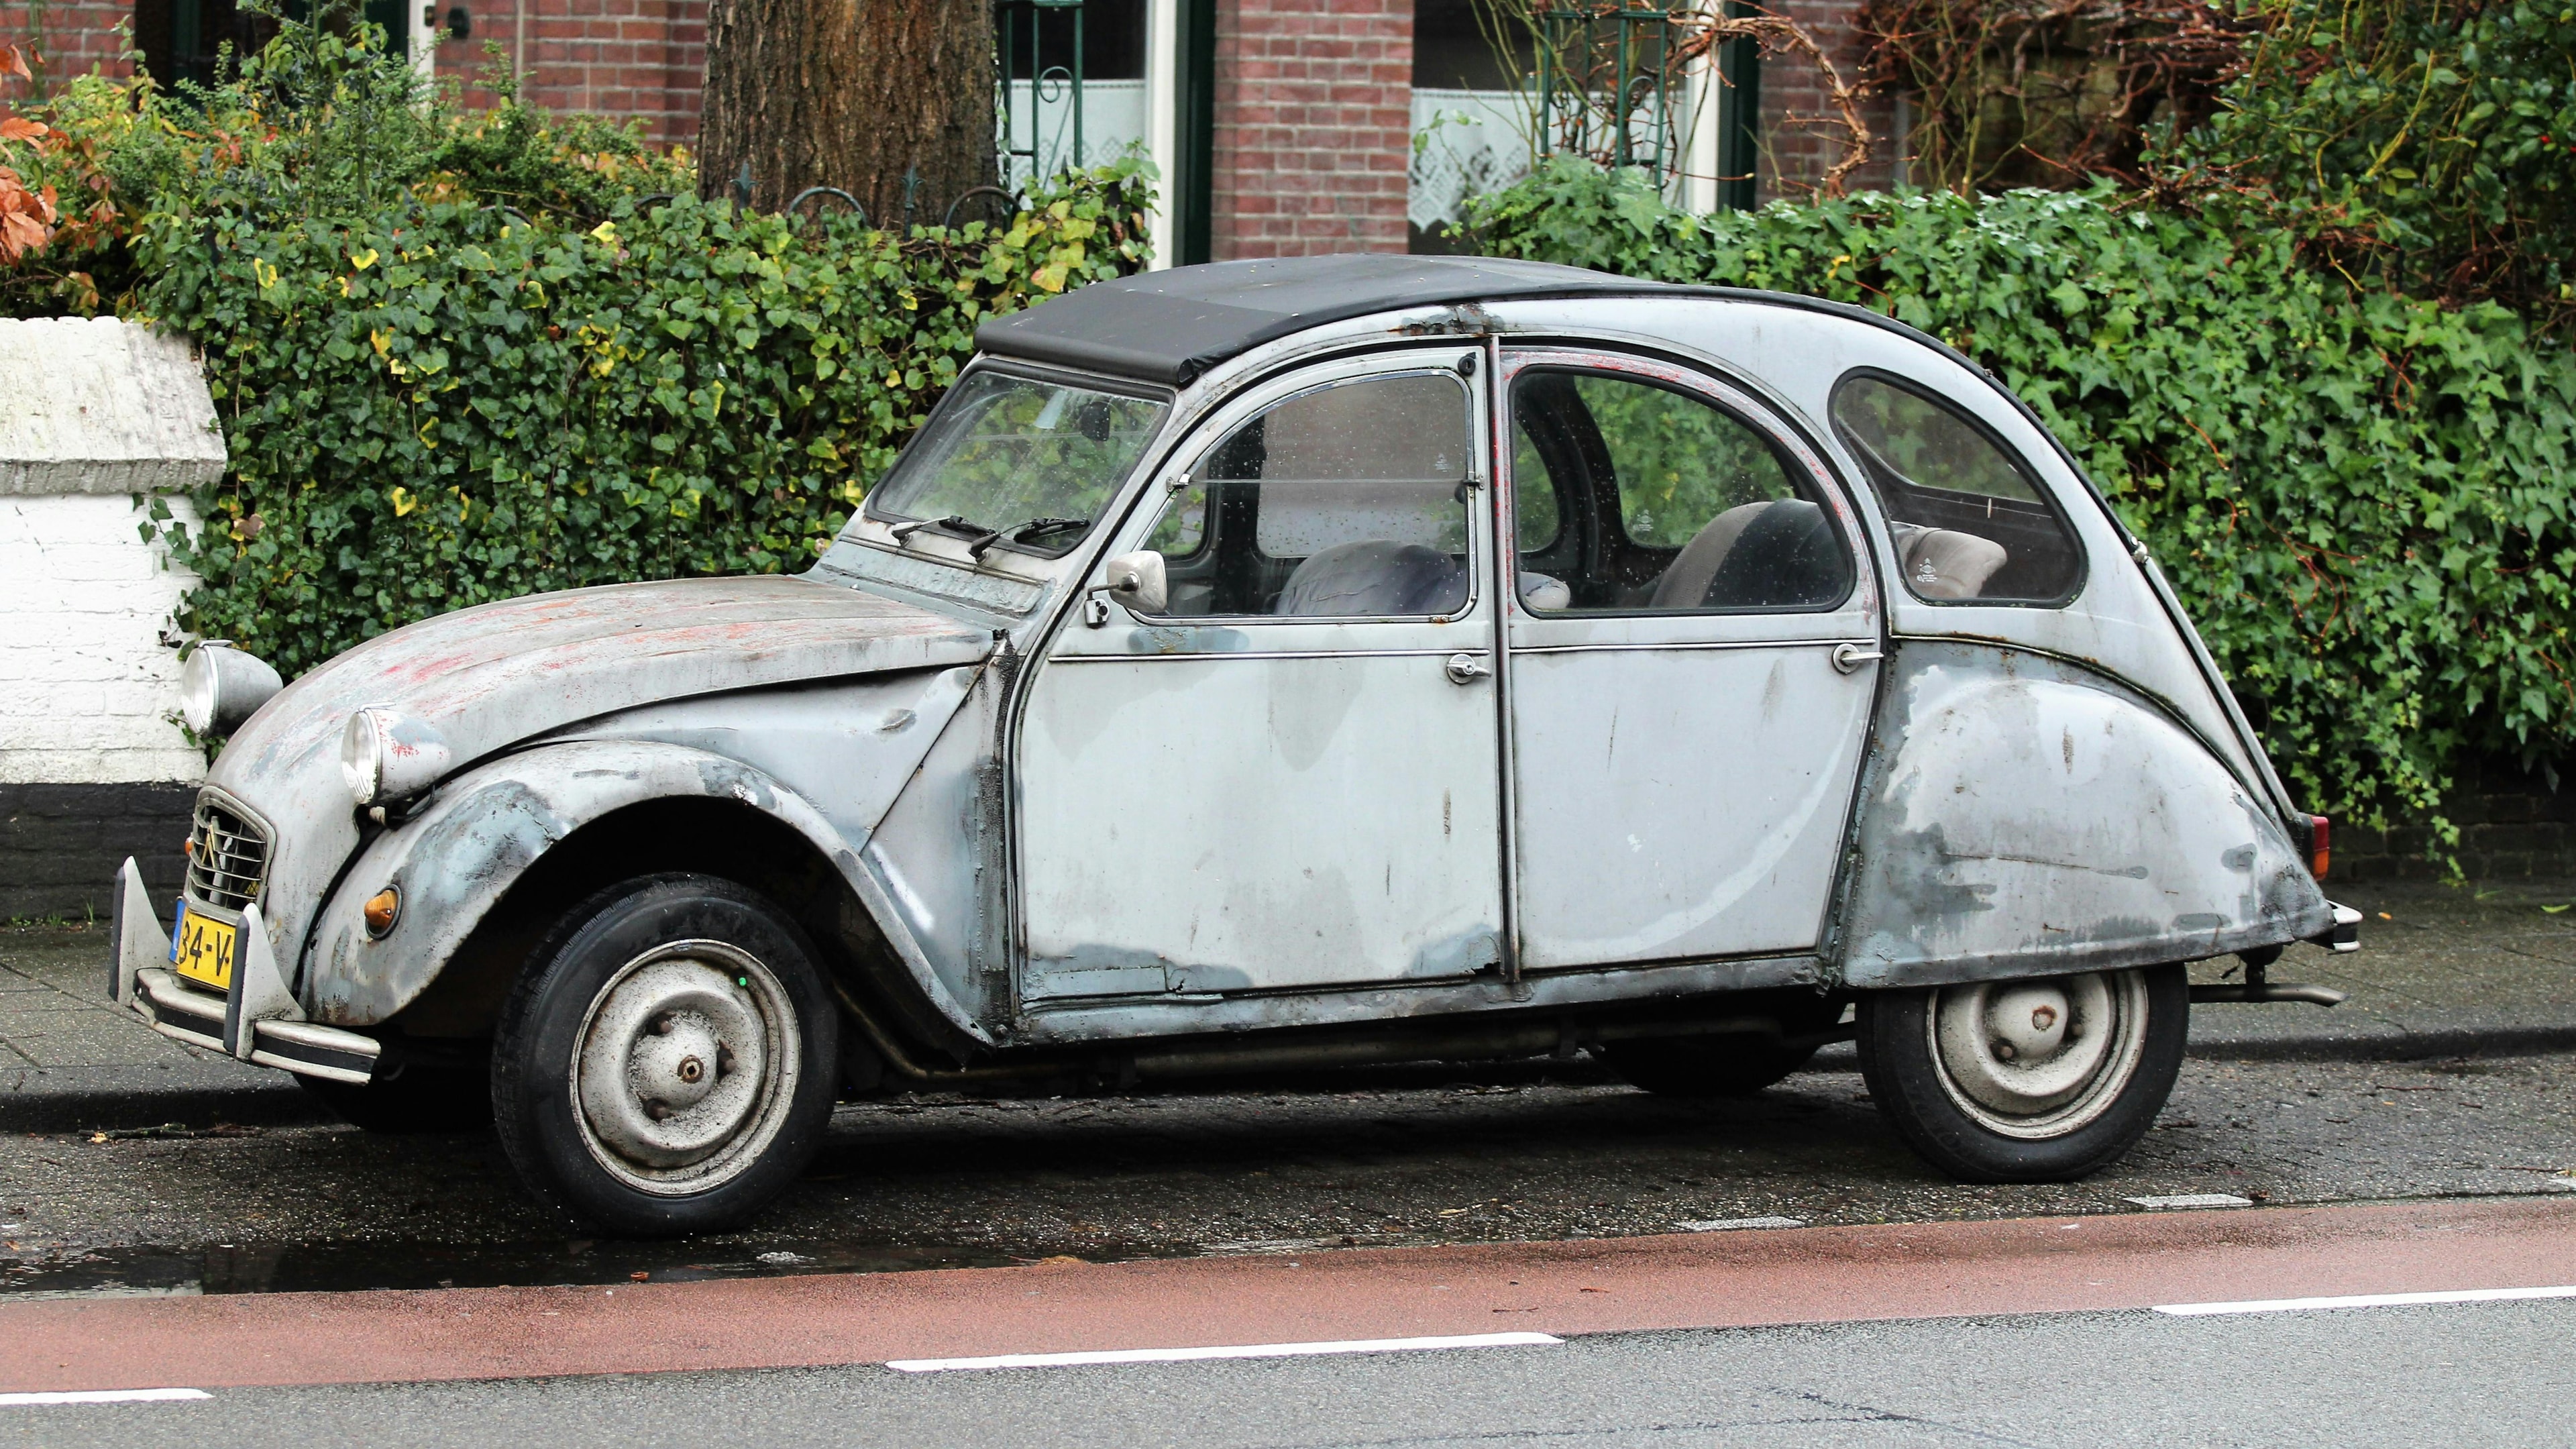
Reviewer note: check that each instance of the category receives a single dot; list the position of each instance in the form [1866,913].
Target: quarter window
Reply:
[1347,501]
[1634,497]
[1968,520]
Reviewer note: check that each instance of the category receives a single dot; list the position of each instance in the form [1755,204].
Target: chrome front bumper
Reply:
[258,1021]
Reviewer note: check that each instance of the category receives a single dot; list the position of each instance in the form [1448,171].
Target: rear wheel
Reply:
[667,1061]
[2039,1080]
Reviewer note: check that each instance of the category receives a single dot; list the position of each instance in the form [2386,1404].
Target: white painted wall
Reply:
[97,415]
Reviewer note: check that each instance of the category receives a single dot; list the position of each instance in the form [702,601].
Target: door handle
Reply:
[1848,657]
[1465,668]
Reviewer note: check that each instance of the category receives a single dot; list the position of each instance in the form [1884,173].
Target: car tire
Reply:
[1735,1065]
[415,1098]
[2035,1080]
[666,1063]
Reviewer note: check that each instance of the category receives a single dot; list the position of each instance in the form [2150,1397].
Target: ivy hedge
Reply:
[441,404]
[2363,498]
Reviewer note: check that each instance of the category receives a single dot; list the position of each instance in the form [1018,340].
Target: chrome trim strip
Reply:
[1642,648]
[1253,654]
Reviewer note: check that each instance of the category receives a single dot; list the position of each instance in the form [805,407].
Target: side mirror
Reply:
[1136,581]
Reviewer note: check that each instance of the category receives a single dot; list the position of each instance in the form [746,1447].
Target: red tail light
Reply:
[2318,855]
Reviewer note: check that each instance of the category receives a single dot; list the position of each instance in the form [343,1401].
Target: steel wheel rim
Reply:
[684,1067]
[2038,1059]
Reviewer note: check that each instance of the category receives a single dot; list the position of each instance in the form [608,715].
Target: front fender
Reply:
[2024,816]
[455,860]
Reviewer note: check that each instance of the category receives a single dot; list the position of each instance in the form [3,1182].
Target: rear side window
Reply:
[1635,497]
[1969,521]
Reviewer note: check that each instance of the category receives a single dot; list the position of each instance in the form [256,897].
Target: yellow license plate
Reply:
[206,951]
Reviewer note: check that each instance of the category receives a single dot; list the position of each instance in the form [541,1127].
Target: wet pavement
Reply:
[190,1174]
[929,1183]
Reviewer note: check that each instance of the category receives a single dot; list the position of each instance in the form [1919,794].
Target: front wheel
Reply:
[665,1064]
[2038,1080]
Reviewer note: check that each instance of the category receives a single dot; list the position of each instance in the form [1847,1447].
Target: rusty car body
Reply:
[1283,664]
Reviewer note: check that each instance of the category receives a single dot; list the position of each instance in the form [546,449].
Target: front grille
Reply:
[227,856]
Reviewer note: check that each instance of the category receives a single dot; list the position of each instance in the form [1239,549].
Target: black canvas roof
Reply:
[1172,326]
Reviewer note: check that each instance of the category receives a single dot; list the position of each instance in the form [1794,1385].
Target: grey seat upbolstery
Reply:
[1374,577]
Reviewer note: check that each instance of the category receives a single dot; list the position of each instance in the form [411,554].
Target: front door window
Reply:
[1343,502]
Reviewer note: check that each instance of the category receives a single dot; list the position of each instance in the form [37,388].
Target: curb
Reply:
[2504,1041]
[87,1099]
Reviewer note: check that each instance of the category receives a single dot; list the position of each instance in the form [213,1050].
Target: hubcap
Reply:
[2039,1059]
[686,1066]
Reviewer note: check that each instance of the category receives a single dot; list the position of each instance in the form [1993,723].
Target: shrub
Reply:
[462,357]
[2361,497]
[438,405]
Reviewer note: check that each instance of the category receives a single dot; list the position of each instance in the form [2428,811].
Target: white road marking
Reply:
[2365,1300]
[1729,1225]
[106,1396]
[2193,1200]
[1248,1350]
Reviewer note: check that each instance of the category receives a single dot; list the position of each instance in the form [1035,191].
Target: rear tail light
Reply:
[2318,855]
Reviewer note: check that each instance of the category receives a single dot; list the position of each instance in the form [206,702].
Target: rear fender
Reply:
[2024,816]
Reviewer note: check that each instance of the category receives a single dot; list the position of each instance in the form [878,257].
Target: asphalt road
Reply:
[914,1184]
[2493,1374]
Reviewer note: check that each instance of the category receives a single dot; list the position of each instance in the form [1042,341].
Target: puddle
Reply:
[354,1267]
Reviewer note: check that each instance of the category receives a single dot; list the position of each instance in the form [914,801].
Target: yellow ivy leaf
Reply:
[404,503]
[363,259]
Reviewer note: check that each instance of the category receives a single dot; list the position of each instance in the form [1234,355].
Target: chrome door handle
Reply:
[1848,657]
[1464,668]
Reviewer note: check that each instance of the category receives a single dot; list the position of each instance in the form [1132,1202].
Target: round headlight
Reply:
[362,756]
[220,686]
[387,755]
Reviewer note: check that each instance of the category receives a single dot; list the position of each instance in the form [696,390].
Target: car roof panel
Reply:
[1172,326]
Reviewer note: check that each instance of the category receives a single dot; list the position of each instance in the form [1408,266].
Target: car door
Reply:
[1690,658]
[1289,776]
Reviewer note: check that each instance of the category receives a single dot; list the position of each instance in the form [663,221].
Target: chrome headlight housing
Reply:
[220,686]
[387,755]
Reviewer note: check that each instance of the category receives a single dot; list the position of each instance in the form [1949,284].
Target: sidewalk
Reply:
[2442,972]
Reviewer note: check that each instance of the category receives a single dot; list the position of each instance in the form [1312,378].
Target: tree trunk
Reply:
[889,100]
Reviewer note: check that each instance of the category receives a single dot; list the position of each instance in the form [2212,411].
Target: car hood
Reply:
[488,677]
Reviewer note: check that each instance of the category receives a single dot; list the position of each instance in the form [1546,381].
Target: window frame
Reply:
[1869,462]
[1257,402]
[1796,461]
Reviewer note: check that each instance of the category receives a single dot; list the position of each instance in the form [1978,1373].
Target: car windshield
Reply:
[1005,452]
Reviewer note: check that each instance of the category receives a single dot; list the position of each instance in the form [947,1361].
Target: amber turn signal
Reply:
[382,910]
[2317,852]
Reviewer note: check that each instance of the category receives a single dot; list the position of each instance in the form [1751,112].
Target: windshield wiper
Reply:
[1020,533]
[977,535]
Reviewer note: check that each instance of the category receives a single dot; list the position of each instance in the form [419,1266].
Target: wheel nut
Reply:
[2043,1017]
[2004,1050]
[657,1111]
[724,1061]
[662,1024]
[691,1069]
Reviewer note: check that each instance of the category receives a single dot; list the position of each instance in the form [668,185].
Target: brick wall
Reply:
[624,59]
[1802,134]
[2511,825]
[72,37]
[1313,126]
